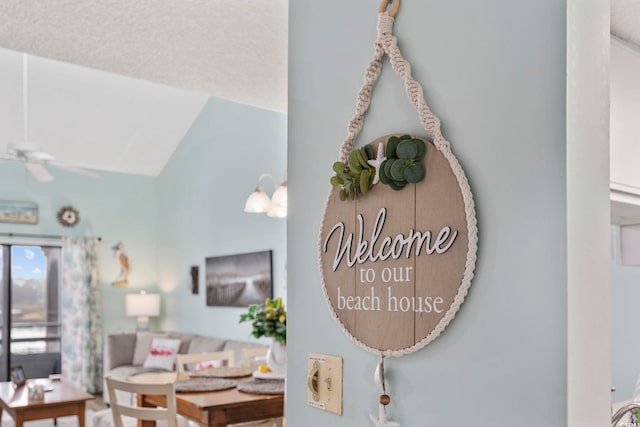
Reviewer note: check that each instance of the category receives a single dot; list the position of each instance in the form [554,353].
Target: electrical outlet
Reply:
[324,382]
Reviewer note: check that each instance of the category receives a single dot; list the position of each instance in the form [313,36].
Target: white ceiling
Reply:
[92,118]
[625,20]
[231,49]
[190,50]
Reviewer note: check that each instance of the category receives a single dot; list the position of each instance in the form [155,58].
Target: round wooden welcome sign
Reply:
[396,263]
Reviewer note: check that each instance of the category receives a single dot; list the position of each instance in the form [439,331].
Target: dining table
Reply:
[212,408]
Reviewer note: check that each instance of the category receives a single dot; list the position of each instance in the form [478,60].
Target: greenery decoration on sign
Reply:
[356,175]
[401,165]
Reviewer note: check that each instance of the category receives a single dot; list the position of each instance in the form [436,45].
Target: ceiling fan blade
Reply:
[39,172]
[39,156]
[81,171]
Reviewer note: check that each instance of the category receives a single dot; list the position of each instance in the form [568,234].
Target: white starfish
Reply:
[382,421]
[380,157]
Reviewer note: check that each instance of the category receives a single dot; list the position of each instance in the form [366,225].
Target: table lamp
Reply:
[143,305]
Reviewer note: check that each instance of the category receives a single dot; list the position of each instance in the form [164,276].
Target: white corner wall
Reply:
[495,73]
[588,271]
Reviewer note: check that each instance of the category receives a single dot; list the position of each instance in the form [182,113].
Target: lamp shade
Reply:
[277,211]
[279,197]
[142,304]
[257,202]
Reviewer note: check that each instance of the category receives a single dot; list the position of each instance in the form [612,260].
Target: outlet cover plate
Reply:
[329,383]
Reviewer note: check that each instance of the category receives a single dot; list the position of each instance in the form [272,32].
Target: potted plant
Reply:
[270,320]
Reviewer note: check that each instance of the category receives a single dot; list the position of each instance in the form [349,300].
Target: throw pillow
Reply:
[162,354]
[210,364]
[143,345]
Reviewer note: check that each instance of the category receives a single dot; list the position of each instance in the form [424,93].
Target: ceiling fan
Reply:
[29,154]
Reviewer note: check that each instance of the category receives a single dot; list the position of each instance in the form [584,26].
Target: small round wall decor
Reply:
[68,216]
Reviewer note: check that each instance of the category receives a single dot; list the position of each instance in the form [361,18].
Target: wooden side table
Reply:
[64,400]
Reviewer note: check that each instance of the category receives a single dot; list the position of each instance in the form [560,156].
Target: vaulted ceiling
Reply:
[142,71]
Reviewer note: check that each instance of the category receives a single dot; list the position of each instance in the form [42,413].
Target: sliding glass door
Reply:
[30,323]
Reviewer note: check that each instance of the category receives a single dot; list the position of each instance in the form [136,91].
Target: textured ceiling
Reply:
[234,50]
[625,20]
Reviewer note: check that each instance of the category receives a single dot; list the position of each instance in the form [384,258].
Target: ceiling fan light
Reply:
[257,202]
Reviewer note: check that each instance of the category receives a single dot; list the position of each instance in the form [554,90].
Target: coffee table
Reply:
[64,400]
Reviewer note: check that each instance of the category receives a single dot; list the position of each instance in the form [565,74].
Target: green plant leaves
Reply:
[404,162]
[403,165]
[356,176]
[267,320]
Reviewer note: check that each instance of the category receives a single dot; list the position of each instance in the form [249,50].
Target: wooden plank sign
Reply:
[396,265]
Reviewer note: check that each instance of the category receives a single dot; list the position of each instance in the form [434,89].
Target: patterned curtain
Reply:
[81,314]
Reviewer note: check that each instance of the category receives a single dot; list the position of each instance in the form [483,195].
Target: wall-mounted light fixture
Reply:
[259,202]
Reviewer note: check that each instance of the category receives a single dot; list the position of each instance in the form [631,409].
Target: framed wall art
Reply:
[239,280]
[18,212]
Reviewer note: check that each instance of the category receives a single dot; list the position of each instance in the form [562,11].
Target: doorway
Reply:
[30,312]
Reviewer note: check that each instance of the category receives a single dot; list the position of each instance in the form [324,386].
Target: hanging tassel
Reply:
[378,378]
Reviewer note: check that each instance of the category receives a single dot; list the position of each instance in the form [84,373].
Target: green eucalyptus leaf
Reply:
[336,181]
[388,164]
[362,158]
[339,167]
[403,137]
[422,147]
[383,177]
[407,149]
[369,152]
[395,186]
[414,173]
[397,171]
[392,143]
[343,194]
[353,160]
[364,181]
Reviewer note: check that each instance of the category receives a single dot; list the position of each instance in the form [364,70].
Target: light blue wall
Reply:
[201,196]
[116,207]
[497,81]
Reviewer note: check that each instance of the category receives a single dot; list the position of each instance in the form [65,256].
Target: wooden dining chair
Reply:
[187,359]
[249,356]
[122,409]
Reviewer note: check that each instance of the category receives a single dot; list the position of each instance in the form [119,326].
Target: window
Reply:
[30,323]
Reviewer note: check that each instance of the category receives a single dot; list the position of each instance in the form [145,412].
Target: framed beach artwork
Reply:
[18,212]
[239,280]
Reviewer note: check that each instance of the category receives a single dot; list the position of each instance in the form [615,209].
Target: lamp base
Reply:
[143,324]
